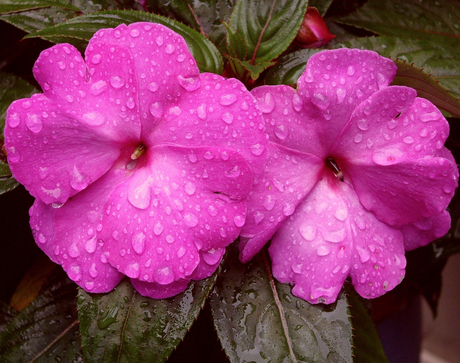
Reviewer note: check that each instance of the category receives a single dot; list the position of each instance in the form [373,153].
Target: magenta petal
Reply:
[209,262]
[421,233]
[288,177]
[393,160]
[70,235]
[158,291]
[313,249]
[219,112]
[184,201]
[334,83]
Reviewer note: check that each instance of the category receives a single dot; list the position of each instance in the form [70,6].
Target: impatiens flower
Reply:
[313,32]
[140,165]
[357,174]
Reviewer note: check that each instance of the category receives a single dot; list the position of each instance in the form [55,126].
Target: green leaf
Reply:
[83,27]
[7,314]
[421,19]
[243,68]
[366,341]
[11,89]
[9,6]
[259,320]
[265,28]
[123,326]
[321,5]
[289,68]
[46,330]
[206,16]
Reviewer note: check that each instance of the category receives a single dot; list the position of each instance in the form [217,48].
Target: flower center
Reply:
[138,152]
[332,164]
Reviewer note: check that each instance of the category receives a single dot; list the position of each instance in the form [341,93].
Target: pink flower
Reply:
[357,173]
[140,165]
[313,32]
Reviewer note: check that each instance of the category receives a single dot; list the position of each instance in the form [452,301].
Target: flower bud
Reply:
[313,32]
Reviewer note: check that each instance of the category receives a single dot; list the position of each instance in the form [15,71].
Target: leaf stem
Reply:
[124,326]
[253,59]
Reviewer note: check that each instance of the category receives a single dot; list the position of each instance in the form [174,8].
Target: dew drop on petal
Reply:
[201,111]
[364,254]
[307,231]
[358,138]
[190,188]
[227,100]
[130,103]
[212,211]
[409,140]
[153,87]
[281,132]
[341,93]
[138,243]
[258,217]
[139,196]
[34,123]
[335,236]
[93,271]
[94,118]
[267,104]
[190,83]
[323,250]
[14,120]
[269,202]
[170,239]
[91,244]
[117,82]
[158,228]
[234,173]
[181,252]
[297,102]
[239,220]
[98,87]
[431,116]
[132,270]
[227,117]
[190,219]
[257,149]
[73,250]
[96,59]
[134,33]
[321,101]
[170,49]
[351,70]
[288,209]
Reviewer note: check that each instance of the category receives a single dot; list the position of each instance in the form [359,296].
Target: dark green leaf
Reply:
[83,27]
[422,19]
[7,314]
[366,341]
[242,68]
[259,320]
[123,326]
[11,89]
[46,330]
[9,6]
[321,5]
[266,28]
[289,68]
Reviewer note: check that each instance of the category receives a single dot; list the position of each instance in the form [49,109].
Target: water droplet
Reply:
[34,123]
[267,104]
[351,70]
[409,140]
[239,220]
[190,84]
[227,100]
[73,250]
[288,209]
[386,156]
[431,116]
[341,93]
[152,87]
[363,125]
[91,244]
[170,239]
[358,138]
[61,65]
[170,49]
[308,232]
[227,117]
[74,273]
[78,180]
[26,104]
[190,188]
[130,103]
[281,132]
[94,118]
[234,173]
[138,243]
[257,149]
[93,271]
[364,254]
[258,217]
[190,219]
[134,33]
[96,59]
[156,110]
[139,196]
[41,238]
[335,236]
[117,82]
[98,87]
[14,120]
[201,111]
[132,270]
[323,250]
[321,101]
[269,202]
[181,252]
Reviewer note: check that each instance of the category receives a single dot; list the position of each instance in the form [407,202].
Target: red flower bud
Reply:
[313,32]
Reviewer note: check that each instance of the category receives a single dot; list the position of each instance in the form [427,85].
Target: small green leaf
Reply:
[366,341]
[10,6]
[266,28]
[420,19]
[242,68]
[321,5]
[83,27]
[289,68]
[47,329]
[123,326]
[259,320]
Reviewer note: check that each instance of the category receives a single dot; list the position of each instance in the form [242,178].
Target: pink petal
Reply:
[182,202]
[69,235]
[421,233]
[49,154]
[333,84]
[393,160]
[313,249]
[209,262]
[158,291]
[288,177]
[219,112]
[164,67]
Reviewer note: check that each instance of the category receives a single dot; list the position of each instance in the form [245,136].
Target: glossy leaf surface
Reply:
[123,326]
[47,329]
[8,6]
[258,319]
[83,27]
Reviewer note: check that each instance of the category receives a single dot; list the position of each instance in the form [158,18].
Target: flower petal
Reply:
[288,177]
[219,112]
[393,161]
[313,249]
[184,201]
[333,84]
[158,291]
[70,235]
[421,233]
